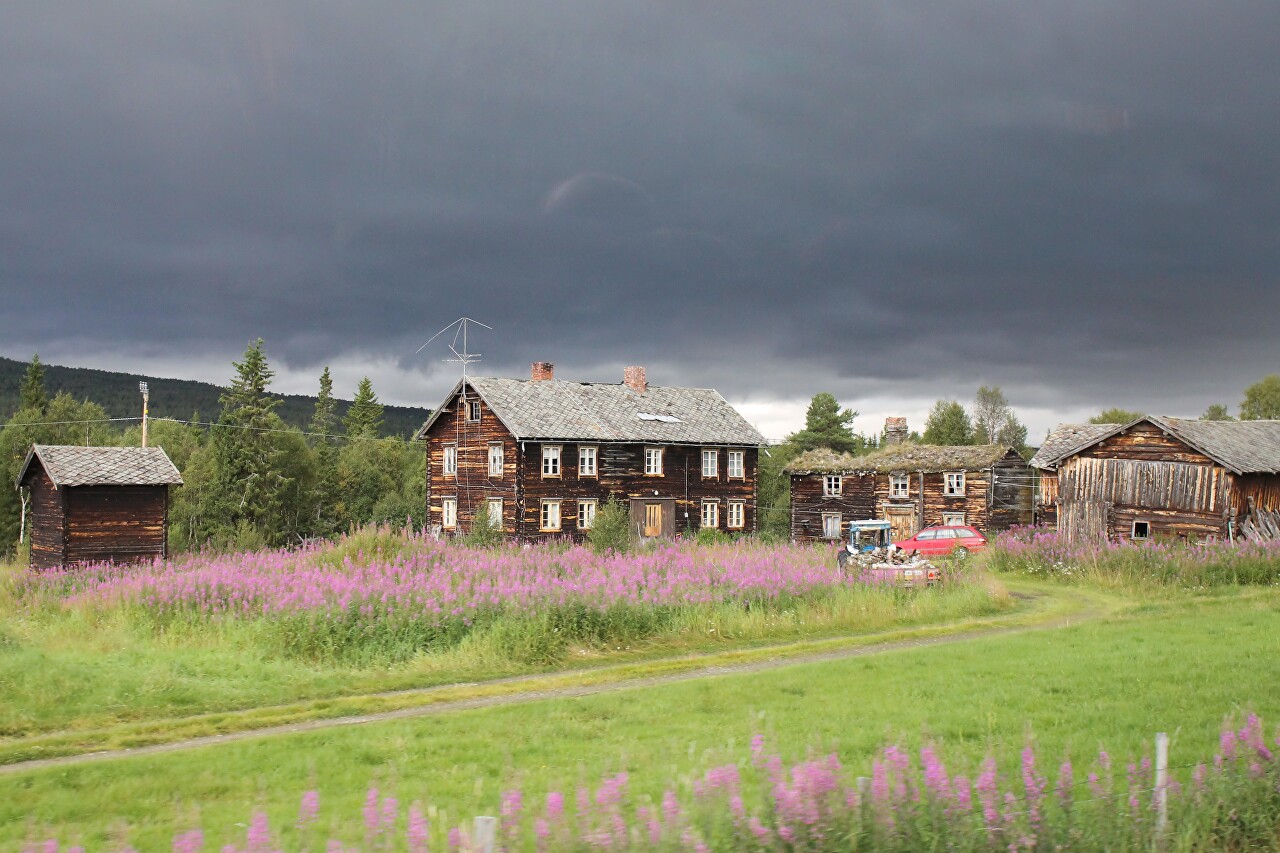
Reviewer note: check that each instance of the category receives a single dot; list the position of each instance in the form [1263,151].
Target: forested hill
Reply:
[170,398]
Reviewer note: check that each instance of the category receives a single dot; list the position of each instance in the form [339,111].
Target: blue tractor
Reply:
[864,538]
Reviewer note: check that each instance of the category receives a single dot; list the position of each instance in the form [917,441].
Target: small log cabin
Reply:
[1064,440]
[912,486]
[1169,477]
[543,454]
[96,504]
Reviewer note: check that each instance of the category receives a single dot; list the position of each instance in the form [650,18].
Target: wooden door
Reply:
[652,520]
[902,522]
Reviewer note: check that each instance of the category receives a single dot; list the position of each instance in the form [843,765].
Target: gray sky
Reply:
[892,200]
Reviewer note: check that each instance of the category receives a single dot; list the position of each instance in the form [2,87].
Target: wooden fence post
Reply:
[484,834]
[1162,782]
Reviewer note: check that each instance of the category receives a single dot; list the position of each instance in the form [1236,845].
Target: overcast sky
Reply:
[891,200]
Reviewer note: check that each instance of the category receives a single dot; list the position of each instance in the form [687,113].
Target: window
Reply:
[927,535]
[496,460]
[735,464]
[832,485]
[899,486]
[451,460]
[587,461]
[955,484]
[953,519]
[737,515]
[1141,530]
[473,410]
[551,460]
[550,515]
[831,524]
[495,512]
[449,513]
[943,533]
[653,461]
[710,514]
[710,463]
[586,514]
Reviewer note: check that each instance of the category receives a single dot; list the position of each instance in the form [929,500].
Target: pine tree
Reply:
[364,418]
[325,418]
[827,425]
[33,396]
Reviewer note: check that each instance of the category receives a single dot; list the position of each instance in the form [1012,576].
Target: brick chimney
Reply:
[895,431]
[543,370]
[633,378]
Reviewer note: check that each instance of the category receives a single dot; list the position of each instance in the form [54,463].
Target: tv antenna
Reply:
[461,328]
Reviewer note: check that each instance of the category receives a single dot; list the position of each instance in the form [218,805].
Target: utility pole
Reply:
[146,399]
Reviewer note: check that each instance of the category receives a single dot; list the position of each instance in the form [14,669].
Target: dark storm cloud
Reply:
[1078,201]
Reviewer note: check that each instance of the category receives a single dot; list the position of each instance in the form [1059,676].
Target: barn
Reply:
[96,504]
[1173,478]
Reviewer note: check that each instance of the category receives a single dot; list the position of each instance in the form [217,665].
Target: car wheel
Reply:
[960,552]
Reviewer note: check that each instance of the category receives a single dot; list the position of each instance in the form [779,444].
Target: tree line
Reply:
[250,478]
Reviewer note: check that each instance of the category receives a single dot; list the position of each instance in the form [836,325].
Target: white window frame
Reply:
[494,506]
[449,463]
[653,461]
[549,516]
[710,514]
[1133,531]
[736,517]
[473,411]
[953,484]
[832,485]
[949,519]
[712,471]
[588,453]
[899,485]
[832,525]
[449,513]
[497,459]
[550,461]
[587,513]
[737,465]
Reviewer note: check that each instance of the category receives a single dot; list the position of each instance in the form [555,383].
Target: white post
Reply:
[484,834]
[1162,782]
[146,398]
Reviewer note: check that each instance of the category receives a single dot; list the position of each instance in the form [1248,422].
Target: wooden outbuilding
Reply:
[96,504]
[543,455]
[1064,440]
[988,487]
[1170,477]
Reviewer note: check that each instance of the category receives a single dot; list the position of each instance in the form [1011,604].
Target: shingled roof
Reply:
[69,465]
[557,410]
[1244,447]
[901,458]
[1066,439]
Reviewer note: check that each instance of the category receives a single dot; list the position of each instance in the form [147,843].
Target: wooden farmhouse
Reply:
[543,454]
[1158,476]
[96,504]
[1062,441]
[912,486]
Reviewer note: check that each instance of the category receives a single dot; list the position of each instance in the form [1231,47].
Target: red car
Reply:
[938,541]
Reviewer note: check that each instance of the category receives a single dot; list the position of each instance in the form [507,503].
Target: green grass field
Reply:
[1177,664]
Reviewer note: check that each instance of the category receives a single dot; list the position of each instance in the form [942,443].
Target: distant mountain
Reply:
[171,398]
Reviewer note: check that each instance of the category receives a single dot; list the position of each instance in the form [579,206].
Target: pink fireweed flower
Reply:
[419,831]
[988,792]
[187,842]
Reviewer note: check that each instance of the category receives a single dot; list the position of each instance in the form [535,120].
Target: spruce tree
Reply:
[325,418]
[364,417]
[324,521]
[33,396]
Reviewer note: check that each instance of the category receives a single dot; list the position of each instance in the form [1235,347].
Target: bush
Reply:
[712,536]
[612,528]
[485,532]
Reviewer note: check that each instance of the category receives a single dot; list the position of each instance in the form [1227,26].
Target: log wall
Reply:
[44,519]
[118,524]
[857,502]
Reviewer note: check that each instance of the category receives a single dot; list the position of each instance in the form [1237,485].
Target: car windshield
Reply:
[927,534]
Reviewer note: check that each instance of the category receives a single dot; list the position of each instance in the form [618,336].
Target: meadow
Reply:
[381,611]
[1151,656]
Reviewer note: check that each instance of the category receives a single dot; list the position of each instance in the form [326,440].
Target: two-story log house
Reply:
[543,455]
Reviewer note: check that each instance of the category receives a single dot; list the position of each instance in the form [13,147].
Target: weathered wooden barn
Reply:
[1169,477]
[96,504]
[910,485]
[543,455]
[1064,440]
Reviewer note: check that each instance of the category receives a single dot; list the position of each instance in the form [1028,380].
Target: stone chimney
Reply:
[633,378]
[895,431]
[543,370]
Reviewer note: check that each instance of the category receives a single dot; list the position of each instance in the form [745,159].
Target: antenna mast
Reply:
[461,328]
